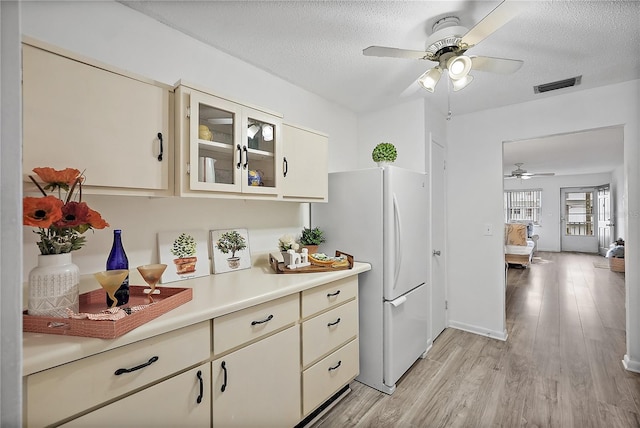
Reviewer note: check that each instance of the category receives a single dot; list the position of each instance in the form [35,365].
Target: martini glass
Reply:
[111,280]
[151,275]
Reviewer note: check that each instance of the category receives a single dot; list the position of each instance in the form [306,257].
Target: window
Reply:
[578,213]
[522,205]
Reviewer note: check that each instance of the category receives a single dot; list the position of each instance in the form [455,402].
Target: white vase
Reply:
[53,286]
[384,163]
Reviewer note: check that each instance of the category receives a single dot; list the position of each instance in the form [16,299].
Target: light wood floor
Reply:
[560,367]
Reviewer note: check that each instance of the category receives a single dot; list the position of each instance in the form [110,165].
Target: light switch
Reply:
[488,229]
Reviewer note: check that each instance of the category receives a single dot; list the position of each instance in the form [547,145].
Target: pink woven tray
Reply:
[95,301]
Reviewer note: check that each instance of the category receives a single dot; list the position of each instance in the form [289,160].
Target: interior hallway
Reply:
[560,367]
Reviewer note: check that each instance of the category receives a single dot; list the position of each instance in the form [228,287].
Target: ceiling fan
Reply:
[448,44]
[524,175]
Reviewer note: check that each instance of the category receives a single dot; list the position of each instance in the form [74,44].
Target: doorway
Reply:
[606,216]
[578,220]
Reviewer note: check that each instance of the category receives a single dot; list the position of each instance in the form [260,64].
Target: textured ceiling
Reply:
[317,45]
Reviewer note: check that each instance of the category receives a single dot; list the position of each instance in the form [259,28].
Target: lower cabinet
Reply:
[181,401]
[259,384]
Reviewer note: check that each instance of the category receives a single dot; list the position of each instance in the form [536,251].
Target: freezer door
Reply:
[406,333]
[405,231]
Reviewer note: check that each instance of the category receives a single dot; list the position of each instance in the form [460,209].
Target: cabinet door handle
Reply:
[336,366]
[239,164]
[161,149]
[133,369]
[246,157]
[224,381]
[285,166]
[199,375]
[331,324]
[267,319]
[330,295]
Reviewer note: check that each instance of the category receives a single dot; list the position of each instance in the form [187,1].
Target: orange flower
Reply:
[41,212]
[73,214]
[95,220]
[57,179]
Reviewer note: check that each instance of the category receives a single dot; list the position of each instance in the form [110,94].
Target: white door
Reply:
[606,225]
[578,220]
[405,231]
[438,228]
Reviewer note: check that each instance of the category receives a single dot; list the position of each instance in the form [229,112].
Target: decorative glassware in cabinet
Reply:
[260,158]
[216,162]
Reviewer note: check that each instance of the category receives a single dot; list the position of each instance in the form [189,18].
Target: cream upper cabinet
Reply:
[226,149]
[305,164]
[114,126]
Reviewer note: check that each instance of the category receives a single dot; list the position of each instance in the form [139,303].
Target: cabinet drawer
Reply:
[328,331]
[232,330]
[329,295]
[180,407]
[63,391]
[325,378]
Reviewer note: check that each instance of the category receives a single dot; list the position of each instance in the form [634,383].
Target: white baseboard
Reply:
[630,365]
[500,335]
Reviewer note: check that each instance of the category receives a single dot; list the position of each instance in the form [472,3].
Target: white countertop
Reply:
[213,296]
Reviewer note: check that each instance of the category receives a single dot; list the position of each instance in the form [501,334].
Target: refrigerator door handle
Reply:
[398,240]
[399,301]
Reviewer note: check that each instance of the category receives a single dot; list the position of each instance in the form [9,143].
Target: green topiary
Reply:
[230,242]
[184,246]
[384,152]
[311,236]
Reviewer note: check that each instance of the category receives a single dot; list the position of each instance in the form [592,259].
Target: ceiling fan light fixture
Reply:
[430,78]
[461,83]
[459,66]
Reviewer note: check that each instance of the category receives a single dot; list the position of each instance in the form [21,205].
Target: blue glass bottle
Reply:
[118,260]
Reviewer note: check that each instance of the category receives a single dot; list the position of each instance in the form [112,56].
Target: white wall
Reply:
[403,125]
[550,226]
[475,183]
[117,35]
[617,189]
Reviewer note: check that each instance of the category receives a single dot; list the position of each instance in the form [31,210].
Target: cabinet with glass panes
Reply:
[225,148]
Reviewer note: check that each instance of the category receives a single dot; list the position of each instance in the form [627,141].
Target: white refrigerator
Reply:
[380,216]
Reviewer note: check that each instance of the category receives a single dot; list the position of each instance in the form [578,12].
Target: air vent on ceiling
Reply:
[546,87]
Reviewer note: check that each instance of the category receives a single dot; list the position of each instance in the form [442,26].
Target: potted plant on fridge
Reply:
[384,154]
[311,238]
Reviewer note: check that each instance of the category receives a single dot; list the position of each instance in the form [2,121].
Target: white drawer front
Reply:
[63,391]
[232,330]
[328,331]
[325,378]
[326,296]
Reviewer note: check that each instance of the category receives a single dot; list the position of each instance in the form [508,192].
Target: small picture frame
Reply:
[185,253]
[230,250]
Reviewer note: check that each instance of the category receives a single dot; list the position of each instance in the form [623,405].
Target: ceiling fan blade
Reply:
[495,65]
[540,174]
[394,52]
[490,23]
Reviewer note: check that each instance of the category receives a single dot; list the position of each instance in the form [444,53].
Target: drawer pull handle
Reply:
[330,295]
[269,318]
[336,366]
[199,375]
[224,382]
[331,324]
[285,166]
[161,149]
[133,369]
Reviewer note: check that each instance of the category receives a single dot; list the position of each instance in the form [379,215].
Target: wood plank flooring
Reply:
[560,367]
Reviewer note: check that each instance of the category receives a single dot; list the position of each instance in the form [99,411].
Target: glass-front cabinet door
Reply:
[261,137]
[232,147]
[215,155]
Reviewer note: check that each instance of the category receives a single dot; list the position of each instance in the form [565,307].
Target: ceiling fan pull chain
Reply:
[449,114]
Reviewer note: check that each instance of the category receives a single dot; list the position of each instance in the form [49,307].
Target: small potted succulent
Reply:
[384,154]
[184,248]
[311,238]
[230,242]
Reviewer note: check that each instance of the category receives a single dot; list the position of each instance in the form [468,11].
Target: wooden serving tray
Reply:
[279,267]
[95,301]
